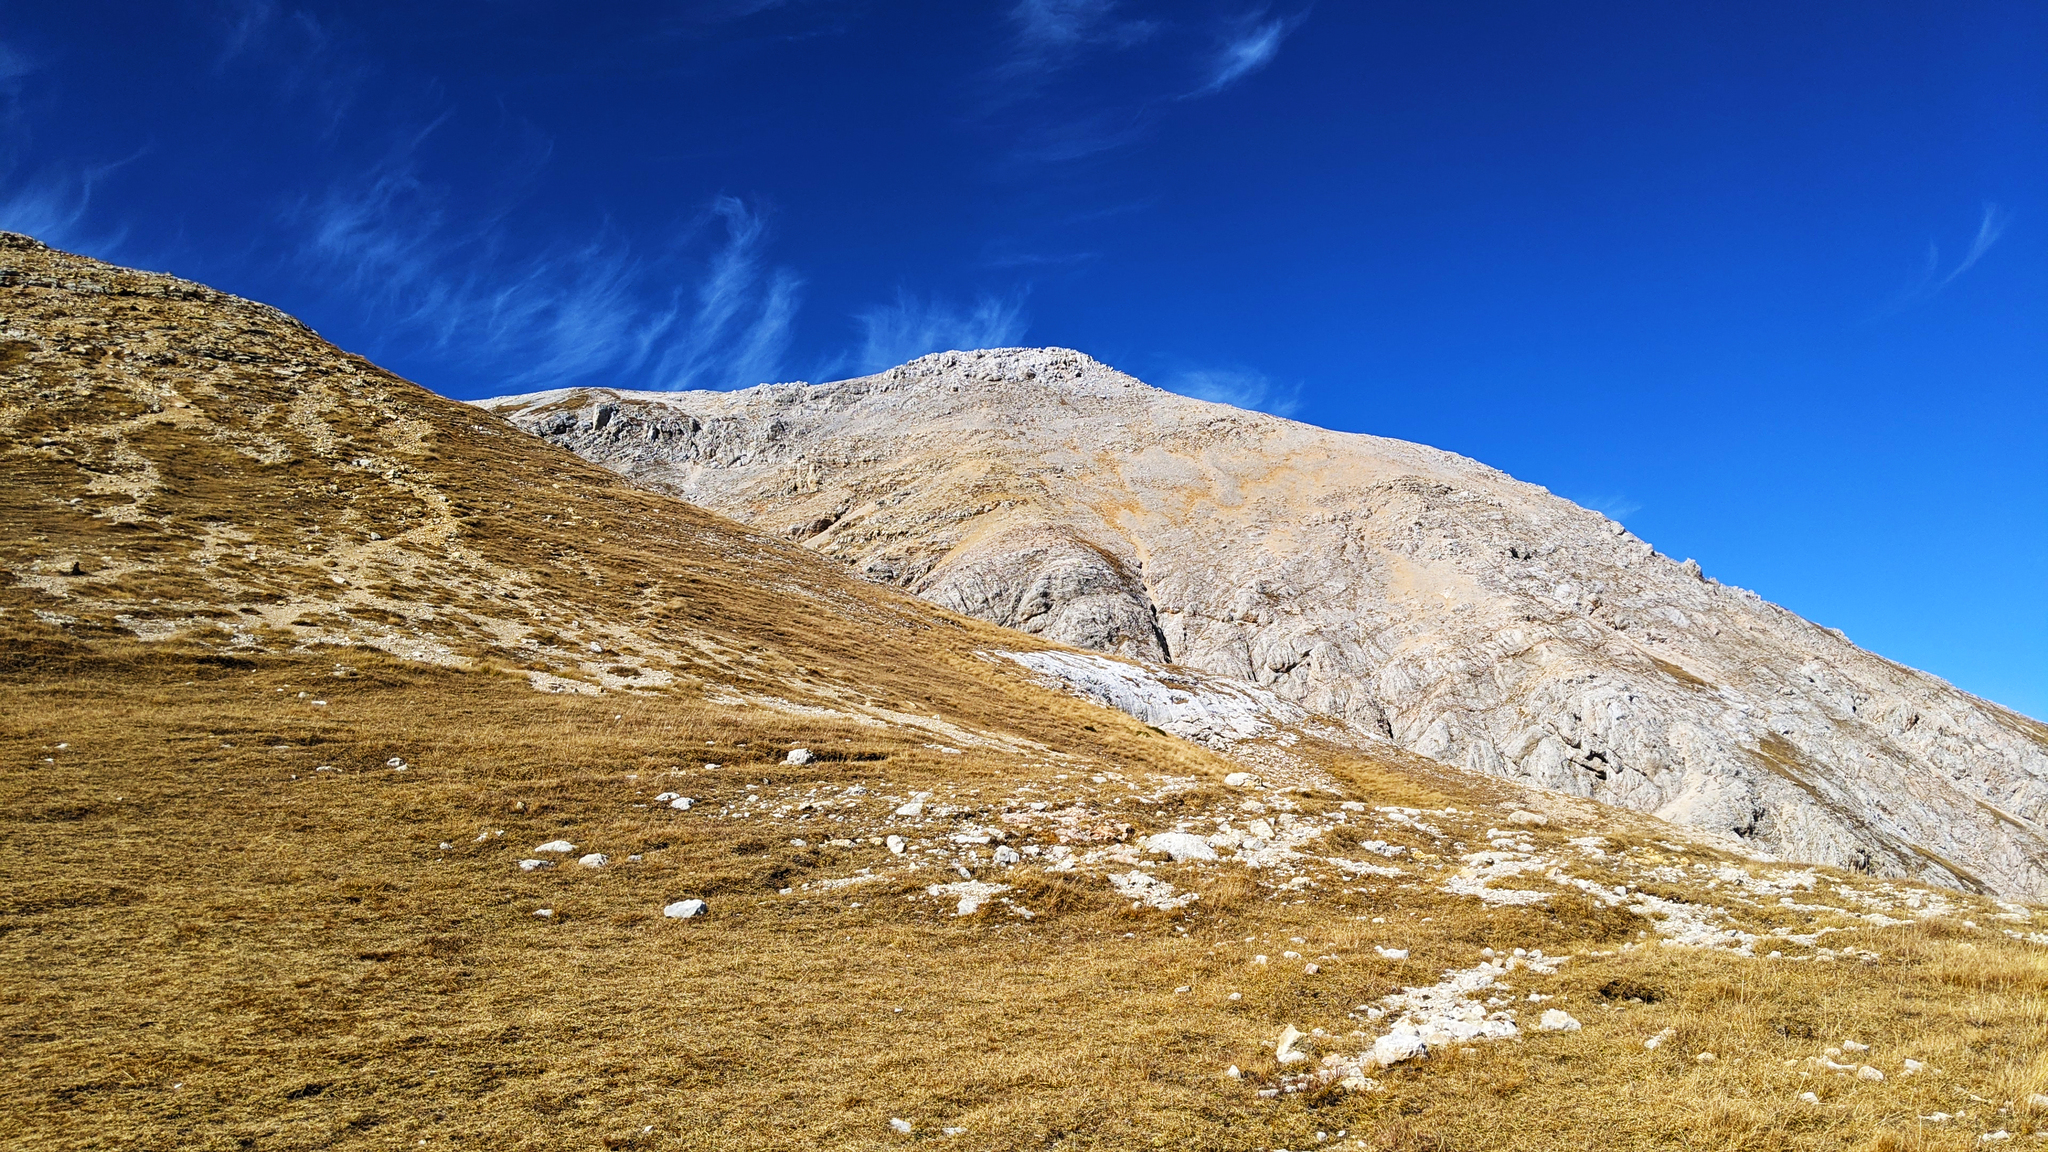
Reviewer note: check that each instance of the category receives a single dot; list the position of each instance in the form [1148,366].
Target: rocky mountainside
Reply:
[1463,614]
[377,774]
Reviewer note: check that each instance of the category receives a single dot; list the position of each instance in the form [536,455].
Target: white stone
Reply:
[1557,1020]
[1241,780]
[1397,1047]
[1653,1042]
[1705,1058]
[1234,1072]
[682,803]
[1809,1098]
[1182,846]
[900,1124]
[798,756]
[684,909]
[1311,969]
[1868,1073]
[1852,1046]
[1283,1049]
[544,913]
[913,808]
[1391,953]
[595,860]
[1005,856]
[555,846]
[895,844]
[1521,816]
[665,797]
[530,865]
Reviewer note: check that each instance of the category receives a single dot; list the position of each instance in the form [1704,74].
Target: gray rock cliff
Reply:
[1466,615]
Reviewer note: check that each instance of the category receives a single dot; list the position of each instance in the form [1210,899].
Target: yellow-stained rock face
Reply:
[1468,616]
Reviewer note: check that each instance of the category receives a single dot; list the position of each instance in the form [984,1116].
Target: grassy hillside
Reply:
[299,662]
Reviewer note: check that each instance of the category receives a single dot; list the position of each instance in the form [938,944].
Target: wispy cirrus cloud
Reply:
[1050,32]
[1614,506]
[1252,42]
[1237,387]
[681,318]
[910,327]
[1154,61]
[1991,224]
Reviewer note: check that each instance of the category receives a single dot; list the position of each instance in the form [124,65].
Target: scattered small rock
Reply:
[1241,780]
[895,844]
[595,860]
[530,865]
[1557,1020]
[799,756]
[899,1124]
[562,846]
[1283,1050]
[1868,1073]
[684,909]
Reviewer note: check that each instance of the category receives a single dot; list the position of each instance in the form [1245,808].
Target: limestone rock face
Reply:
[1397,588]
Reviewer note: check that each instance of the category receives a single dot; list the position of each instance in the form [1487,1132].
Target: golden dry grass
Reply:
[206,942]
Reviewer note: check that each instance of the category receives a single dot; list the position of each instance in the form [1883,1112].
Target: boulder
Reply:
[595,860]
[684,909]
[799,756]
[1396,1047]
[1182,846]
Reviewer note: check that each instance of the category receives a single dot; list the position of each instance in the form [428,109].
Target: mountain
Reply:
[1466,616]
[374,774]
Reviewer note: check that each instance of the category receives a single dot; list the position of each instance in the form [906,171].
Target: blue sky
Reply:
[1767,282]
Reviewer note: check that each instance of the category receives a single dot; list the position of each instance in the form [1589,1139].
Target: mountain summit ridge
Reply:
[1468,616]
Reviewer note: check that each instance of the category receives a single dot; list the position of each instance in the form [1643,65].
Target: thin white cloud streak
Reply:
[51,209]
[1047,28]
[1237,387]
[1991,224]
[53,205]
[910,327]
[1613,507]
[558,317]
[1253,46]
[1989,228]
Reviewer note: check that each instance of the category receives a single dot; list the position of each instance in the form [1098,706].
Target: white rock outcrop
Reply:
[1399,589]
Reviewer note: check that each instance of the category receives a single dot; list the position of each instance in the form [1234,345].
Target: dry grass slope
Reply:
[244,573]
